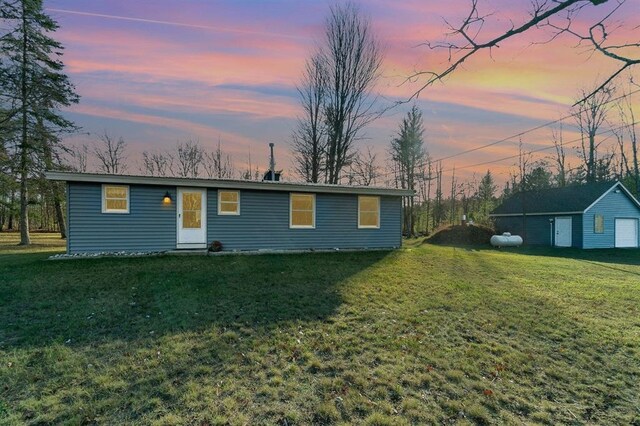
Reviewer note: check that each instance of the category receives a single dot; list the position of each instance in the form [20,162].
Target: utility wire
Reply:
[542,149]
[533,129]
[545,148]
[517,135]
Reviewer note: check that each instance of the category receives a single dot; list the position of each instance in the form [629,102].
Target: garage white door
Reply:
[626,233]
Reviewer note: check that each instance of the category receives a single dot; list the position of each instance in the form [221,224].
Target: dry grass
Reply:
[418,336]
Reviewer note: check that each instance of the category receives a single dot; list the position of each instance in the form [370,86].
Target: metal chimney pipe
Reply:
[272,163]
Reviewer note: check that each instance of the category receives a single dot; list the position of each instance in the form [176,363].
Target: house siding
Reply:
[263,222]
[149,225]
[611,206]
[538,229]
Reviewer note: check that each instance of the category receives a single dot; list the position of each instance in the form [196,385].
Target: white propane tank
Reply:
[506,240]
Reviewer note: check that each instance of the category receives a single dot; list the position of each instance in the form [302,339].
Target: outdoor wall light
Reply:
[167,198]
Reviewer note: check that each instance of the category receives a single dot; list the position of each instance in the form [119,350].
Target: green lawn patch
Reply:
[422,335]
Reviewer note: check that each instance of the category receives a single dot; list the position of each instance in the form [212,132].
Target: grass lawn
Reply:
[426,334]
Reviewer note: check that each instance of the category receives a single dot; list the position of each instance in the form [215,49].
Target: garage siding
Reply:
[611,206]
[538,228]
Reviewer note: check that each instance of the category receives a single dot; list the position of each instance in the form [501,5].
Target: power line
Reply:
[545,148]
[542,149]
[533,129]
[508,139]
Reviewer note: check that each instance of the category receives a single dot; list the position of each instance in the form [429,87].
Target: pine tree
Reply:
[486,192]
[33,87]
[408,153]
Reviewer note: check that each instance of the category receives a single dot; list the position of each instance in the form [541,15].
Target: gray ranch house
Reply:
[143,213]
[599,215]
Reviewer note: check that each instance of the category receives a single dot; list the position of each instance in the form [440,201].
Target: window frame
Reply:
[595,224]
[313,215]
[223,213]
[360,226]
[104,199]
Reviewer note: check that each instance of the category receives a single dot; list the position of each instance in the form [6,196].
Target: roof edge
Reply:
[223,183]
[616,184]
[533,214]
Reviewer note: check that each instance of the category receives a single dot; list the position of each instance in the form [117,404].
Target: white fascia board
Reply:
[225,184]
[615,185]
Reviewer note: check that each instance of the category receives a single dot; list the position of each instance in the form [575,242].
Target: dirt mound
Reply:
[461,235]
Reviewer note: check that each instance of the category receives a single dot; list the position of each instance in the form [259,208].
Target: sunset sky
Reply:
[157,71]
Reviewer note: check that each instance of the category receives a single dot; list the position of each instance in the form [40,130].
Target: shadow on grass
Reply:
[86,301]
[618,256]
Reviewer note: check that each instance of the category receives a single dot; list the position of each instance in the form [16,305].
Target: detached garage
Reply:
[600,215]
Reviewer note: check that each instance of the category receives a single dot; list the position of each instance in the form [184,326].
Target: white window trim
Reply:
[368,226]
[104,199]
[222,213]
[291,225]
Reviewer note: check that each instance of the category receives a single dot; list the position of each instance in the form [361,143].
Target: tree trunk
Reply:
[24,153]
[10,211]
[55,189]
[25,239]
[591,176]
[59,213]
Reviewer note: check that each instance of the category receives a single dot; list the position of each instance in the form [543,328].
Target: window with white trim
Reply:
[368,212]
[115,199]
[228,202]
[302,211]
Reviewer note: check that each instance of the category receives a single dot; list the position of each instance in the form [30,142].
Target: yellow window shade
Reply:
[368,212]
[302,210]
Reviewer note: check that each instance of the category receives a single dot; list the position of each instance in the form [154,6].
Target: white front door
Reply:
[626,233]
[563,231]
[192,218]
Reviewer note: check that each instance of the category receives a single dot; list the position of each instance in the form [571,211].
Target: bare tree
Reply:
[352,57]
[189,158]
[156,163]
[364,169]
[217,164]
[524,164]
[250,173]
[590,115]
[111,154]
[627,117]
[78,157]
[426,176]
[309,139]
[560,159]
[559,17]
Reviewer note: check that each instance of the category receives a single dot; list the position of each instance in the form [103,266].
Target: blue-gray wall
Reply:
[149,225]
[263,222]
[613,205]
[538,230]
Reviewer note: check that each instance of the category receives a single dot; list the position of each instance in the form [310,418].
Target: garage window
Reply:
[598,224]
